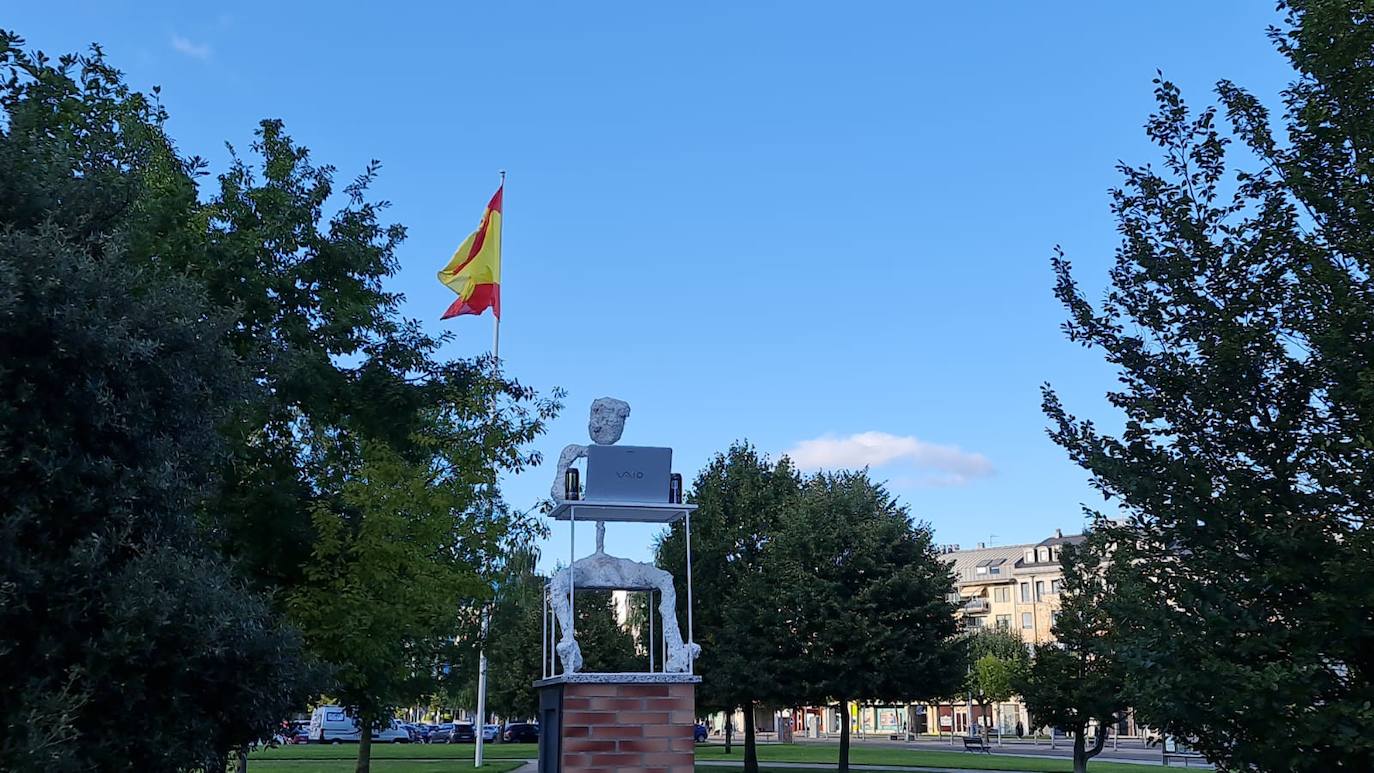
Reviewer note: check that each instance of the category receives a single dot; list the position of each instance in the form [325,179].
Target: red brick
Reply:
[615,758]
[676,703]
[575,745]
[576,731]
[684,744]
[682,717]
[668,731]
[589,718]
[576,704]
[645,690]
[646,745]
[643,717]
[587,690]
[621,704]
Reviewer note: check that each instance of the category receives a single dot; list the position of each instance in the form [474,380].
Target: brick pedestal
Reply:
[616,723]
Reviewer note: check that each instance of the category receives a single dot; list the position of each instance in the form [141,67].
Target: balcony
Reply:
[976,606]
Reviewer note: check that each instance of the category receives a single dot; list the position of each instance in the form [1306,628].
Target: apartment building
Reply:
[1012,587]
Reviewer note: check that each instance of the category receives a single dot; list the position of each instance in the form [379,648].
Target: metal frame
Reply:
[623,512]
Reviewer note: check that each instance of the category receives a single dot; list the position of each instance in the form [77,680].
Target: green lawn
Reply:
[381,766]
[875,755]
[390,758]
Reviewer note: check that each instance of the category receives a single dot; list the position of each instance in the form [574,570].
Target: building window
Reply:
[1001,594]
[975,622]
[994,570]
[1025,592]
[980,570]
[1055,585]
[1004,622]
[954,598]
[1027,621]
[1039,589]
[1054,618]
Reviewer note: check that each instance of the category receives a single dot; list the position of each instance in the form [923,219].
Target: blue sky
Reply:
[794,223]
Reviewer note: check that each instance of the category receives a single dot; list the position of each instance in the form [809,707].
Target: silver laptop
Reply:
[628,473]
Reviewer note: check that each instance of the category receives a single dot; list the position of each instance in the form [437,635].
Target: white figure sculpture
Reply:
[606,425]
[600,571]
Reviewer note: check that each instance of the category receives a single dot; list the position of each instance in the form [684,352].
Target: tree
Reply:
[393,567]
[513,639]
[112,605]
[865,597]
[1079,679]
[1238,319]
[741,499]
[997,660]
[340,374]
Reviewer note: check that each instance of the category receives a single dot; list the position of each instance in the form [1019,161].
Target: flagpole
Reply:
[501,235]
[477,756]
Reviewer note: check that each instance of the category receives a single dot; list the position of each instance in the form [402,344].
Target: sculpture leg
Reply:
[680,654]
[569,654]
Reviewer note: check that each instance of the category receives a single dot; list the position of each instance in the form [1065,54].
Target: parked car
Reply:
[422,732]
[699,733]
[441,733]
[463,733]
[491,733]
[521,732]
[331,724]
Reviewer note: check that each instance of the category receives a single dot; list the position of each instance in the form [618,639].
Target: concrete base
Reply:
[615,723]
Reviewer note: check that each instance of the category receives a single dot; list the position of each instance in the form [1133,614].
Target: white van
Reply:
[331,724]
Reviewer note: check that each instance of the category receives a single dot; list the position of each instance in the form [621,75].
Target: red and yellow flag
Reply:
[474,271]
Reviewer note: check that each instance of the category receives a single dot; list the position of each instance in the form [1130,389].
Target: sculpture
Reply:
[606,425]
[606,572]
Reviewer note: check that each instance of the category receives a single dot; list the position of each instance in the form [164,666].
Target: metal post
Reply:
[481,692]
[544,633]
[691,663]
[572,577]
[651,630]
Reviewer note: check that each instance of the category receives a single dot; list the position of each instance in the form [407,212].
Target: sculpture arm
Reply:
[570,454]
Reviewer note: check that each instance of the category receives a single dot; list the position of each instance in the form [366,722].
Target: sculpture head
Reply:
[607,421]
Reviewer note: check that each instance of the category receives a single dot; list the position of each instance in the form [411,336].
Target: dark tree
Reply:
[866,600]
[112,382]
[1078,683]
[741,499]
[1240,317]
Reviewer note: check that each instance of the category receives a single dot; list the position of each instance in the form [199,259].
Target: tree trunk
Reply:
[1080,754]
[729,724]
[751,752]
[365,746]
[844,736]
[242,766]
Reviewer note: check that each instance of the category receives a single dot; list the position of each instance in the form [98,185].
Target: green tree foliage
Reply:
[345,388]
[866,599]
[997,660]
[111,607]
[742,499]
[514,644]
[1080,680]
[1238,317]
[607,644]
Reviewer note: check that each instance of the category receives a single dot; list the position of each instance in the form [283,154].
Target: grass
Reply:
[380,766]
[439,752]
[390,758]
[872,755]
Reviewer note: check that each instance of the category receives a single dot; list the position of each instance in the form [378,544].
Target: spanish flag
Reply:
[474,271]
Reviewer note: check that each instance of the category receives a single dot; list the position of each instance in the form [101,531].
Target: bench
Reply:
[1186,757]
[976,744]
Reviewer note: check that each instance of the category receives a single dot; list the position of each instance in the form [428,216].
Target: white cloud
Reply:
[190,48]
[938,465]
